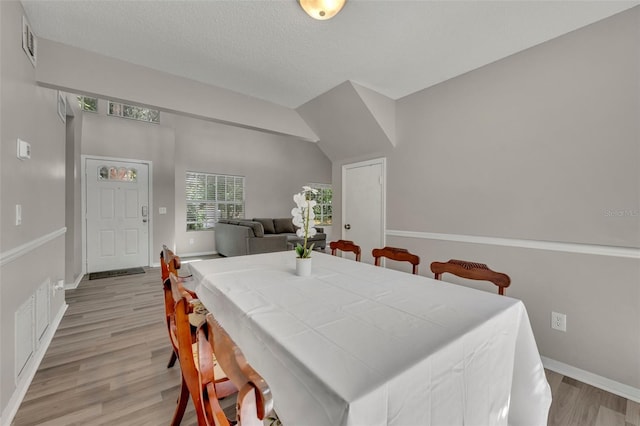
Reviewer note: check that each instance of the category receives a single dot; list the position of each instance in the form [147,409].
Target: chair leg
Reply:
[172,360]
[183,400]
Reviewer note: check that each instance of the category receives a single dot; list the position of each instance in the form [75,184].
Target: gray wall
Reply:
[73,196]
[29,112]
[107,136]
[85,72]
[541,146]
[274,167]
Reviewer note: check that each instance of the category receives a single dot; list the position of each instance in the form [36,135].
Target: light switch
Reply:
[162,210]
[24,150]
[18,214]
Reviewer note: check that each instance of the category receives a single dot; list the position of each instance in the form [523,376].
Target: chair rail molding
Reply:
[594,249]
[17,252]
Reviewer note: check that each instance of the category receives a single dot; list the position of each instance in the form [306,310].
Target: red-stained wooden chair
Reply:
[254,400]
[188,356]
[170,263]
[345,245]
[471,270]
[397,254]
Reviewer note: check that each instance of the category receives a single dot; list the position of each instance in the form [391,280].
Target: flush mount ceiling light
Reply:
[322,9]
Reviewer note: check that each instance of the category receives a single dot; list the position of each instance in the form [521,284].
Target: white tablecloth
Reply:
[356,344]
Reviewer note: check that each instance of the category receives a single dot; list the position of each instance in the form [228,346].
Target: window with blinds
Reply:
[213,197]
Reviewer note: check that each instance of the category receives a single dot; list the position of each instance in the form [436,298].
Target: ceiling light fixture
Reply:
[322,9]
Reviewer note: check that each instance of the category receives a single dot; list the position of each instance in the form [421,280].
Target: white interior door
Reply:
[363,205]
[117,214]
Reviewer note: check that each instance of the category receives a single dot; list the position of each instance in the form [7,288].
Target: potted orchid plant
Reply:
[303,218]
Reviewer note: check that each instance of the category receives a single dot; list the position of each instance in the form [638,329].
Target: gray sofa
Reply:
[260,235]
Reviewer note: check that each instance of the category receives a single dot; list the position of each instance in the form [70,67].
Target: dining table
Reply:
[358,344]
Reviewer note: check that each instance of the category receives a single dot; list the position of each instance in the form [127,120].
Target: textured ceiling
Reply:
[273,51]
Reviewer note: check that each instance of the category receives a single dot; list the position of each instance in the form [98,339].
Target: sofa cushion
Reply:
[284,225]
[256,227]
[267,225]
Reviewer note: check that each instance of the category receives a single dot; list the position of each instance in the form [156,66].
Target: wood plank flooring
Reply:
[107,364]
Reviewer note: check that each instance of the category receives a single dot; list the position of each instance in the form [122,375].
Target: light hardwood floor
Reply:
[107,363]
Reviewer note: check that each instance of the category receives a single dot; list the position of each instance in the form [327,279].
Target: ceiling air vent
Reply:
[29,41]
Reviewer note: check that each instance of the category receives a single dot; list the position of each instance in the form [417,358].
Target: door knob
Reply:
[347,226]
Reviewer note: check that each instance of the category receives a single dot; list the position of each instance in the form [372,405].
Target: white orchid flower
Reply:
[303,218]
[300,200]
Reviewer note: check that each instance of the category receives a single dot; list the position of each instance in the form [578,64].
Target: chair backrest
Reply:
[205,380]
[345,245]
[168,262]
[471,270]
[254,399]
[398,254]
[183,308]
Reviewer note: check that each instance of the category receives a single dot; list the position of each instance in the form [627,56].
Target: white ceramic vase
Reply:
[303,266]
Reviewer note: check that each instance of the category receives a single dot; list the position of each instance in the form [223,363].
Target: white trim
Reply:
[17,252]
[202,253]
[625,391]
[629,252]
[76,283]
[83,194]
[30,370]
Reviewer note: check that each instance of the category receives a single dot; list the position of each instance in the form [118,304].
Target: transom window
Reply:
[211,197]
[120,174]
[88,103]
[323,209]
[134,112]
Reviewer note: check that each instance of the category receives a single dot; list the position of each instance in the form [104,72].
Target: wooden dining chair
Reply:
[345,245]
[170,263]
[188,356]
[397,254]
[254,400]
[471,270]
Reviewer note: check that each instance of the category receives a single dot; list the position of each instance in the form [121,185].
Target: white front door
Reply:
[363,206]
[117,214]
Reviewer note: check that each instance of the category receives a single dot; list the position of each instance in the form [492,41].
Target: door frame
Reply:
[83,190]
[383,196]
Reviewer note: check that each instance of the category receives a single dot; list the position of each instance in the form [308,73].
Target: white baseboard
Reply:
[600,382]
[30,370]
[204,253]
[75,284]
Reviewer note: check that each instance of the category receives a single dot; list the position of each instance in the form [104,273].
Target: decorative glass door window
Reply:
[121,174]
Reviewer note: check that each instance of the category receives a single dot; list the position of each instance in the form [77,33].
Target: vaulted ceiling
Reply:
[271,50]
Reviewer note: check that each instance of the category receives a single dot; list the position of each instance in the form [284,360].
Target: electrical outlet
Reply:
[558,321]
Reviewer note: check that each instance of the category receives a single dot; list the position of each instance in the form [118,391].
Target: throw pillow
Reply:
[267,225]
[284,226]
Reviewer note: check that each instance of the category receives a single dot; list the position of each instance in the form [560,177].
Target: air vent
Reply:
[29,41]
